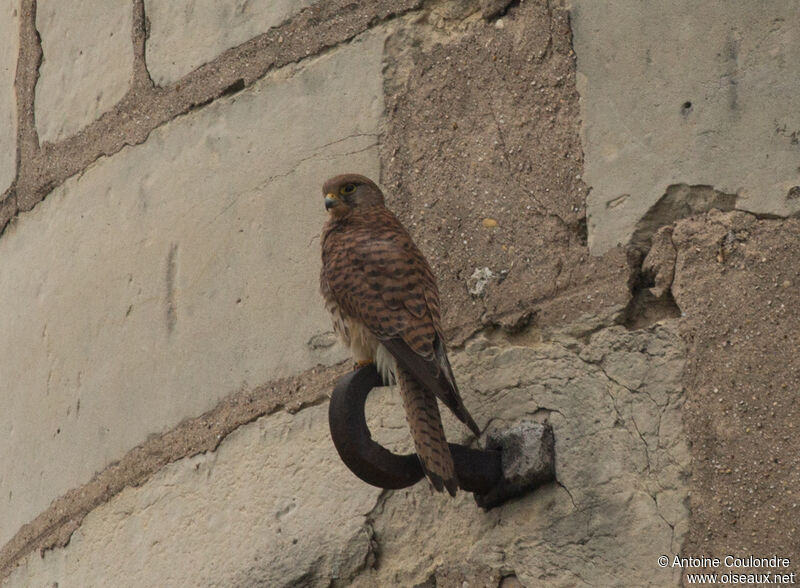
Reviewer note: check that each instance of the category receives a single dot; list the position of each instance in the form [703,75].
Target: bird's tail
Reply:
[422,414]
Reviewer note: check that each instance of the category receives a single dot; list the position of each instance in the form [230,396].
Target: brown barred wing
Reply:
[378,276]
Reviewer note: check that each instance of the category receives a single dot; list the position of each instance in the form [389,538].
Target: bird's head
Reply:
[348,191]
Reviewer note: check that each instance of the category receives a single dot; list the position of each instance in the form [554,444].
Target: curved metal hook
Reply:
[364,457]
[478,470]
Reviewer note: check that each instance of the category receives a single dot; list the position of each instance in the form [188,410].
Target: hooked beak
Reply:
[331,200]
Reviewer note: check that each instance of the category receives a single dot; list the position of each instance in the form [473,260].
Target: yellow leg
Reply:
[361,363]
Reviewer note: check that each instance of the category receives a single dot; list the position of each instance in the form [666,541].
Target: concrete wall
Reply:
[605,192]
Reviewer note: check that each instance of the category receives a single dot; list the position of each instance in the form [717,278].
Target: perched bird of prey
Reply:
[384,302]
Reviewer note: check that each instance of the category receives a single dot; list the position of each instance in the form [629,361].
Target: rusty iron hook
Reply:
[478,470]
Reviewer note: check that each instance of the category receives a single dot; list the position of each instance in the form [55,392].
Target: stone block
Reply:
[528,460]
[175,272]
[87,63]
[693,93]
[9,50]
[271,507]
[188,33]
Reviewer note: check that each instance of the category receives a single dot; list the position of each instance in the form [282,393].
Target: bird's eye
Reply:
[347,189]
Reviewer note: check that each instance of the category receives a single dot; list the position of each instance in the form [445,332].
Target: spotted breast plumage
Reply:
[383,298]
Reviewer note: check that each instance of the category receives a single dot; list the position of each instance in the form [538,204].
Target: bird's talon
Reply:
[363,363]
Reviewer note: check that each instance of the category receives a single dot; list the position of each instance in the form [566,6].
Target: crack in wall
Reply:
[663,451]
[171,300]
[622,420]
[679,201]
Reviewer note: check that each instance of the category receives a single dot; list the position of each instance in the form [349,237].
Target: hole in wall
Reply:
[679,201]
[236,86]
[644,308]
[583,232]
[686,108]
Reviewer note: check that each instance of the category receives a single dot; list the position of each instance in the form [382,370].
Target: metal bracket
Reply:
[514,463]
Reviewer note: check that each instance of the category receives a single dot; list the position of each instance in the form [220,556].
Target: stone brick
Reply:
[185,34]
[271,506]
[693,93]
[87,64]
[175,272]
[9,49]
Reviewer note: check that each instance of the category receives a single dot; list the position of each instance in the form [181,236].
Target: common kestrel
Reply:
[382,296]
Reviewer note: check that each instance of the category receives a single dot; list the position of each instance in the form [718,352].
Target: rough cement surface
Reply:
[175,273]
[492,8]
[621,458]
[482,160]
[737,281]
[9,49]
[185,34]
[621,461]
[689,93]
[87,65]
